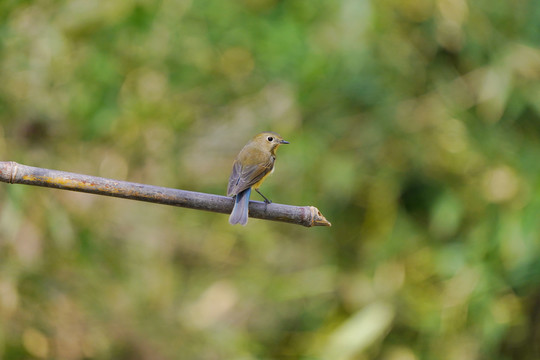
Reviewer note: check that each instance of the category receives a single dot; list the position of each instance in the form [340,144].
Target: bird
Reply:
[251,167]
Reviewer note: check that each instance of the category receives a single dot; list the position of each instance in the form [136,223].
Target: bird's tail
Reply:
[239,215]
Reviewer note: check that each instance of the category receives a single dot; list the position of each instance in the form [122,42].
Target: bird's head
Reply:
[269,141]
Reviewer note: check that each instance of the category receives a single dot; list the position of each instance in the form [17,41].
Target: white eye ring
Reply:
[270,138]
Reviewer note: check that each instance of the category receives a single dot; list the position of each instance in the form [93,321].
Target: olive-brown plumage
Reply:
[251,167]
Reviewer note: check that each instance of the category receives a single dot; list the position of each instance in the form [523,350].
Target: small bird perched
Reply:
[252,165]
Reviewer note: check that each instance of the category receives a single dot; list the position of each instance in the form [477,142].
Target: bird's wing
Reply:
[245,177]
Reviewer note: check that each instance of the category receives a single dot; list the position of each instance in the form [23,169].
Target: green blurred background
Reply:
[414,127]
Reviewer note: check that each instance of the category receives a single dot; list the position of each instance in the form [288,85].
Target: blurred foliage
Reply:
[414,127]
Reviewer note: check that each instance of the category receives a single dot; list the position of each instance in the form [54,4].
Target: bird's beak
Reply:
[284,142]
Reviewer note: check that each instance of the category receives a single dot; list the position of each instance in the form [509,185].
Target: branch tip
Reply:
[318,218]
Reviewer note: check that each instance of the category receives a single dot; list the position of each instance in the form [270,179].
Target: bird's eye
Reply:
[270,138]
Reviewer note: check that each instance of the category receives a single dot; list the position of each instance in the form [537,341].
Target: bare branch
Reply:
[11,172]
